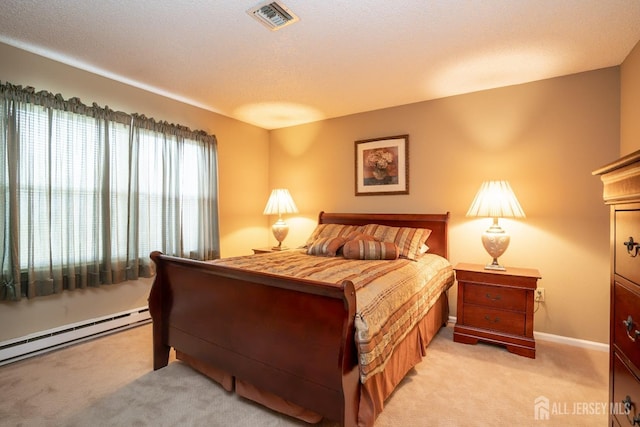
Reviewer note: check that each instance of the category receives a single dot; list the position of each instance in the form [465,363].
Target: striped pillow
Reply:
[369,249]
[358,235]
[326,246]
[409,240]
[330,230]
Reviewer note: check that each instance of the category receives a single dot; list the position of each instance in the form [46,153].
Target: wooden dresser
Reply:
[621,180]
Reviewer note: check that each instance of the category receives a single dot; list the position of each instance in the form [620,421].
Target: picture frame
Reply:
[382,166]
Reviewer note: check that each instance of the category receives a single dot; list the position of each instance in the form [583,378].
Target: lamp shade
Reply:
[496,199]
[280,202]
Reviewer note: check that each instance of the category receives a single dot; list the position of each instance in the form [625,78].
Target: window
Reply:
[89,193]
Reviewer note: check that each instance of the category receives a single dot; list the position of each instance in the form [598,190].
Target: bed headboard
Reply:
[438,241]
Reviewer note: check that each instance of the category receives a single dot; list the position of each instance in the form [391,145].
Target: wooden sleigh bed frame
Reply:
[289,337]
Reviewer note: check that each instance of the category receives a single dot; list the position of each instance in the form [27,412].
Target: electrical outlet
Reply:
[539,295]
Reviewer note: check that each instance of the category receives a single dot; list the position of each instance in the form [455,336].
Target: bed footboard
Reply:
[291,337]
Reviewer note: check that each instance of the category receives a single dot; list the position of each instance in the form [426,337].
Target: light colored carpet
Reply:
[109,382]
[177,396]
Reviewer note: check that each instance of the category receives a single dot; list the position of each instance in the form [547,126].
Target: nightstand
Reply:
[267,249]
[496,307]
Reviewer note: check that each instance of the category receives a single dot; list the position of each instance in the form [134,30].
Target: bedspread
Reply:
[391,296]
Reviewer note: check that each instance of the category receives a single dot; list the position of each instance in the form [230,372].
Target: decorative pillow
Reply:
[357,235]
[369,249]
[331,230]
[409,240]
[327,246]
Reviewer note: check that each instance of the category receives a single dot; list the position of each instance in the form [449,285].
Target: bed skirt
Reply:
[373,393]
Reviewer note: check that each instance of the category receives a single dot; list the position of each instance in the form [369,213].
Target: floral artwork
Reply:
[382,166]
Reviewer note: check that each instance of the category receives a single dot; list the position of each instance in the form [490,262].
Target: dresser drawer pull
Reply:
[629,327]
[628,406]
[496,298]
[632,247]
[489,319]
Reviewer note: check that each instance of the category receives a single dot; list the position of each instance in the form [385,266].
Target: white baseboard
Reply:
[576,342]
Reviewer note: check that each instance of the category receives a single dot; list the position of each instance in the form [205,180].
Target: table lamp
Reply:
[495,199]
[280,202]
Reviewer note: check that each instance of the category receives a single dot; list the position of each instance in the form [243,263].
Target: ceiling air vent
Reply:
[273,15]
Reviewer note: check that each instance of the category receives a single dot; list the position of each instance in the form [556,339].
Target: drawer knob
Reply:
[496,298]
[628,324]
[628,406]
[632,247]
[489,319]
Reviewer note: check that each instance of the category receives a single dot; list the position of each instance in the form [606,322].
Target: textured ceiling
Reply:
[343,57]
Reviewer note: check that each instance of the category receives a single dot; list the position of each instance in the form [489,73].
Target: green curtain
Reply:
[87,193]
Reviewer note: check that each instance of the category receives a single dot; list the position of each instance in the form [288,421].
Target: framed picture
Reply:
[382,166]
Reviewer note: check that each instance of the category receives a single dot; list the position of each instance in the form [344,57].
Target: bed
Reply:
[294,343]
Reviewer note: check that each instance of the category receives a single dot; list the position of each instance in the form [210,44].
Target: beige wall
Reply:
[630,102]
[544,137]
[243,188]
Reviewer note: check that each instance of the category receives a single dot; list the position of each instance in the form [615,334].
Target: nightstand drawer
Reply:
[496,297]
[510,322]
[627,227]
[626,311]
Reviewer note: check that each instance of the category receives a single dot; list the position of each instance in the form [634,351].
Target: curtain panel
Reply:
[87,193]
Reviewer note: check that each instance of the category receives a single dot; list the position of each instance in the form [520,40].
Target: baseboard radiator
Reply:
[53,339]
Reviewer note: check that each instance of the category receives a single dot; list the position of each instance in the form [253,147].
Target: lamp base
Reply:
[495,241]
[495,266]
[280,230]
